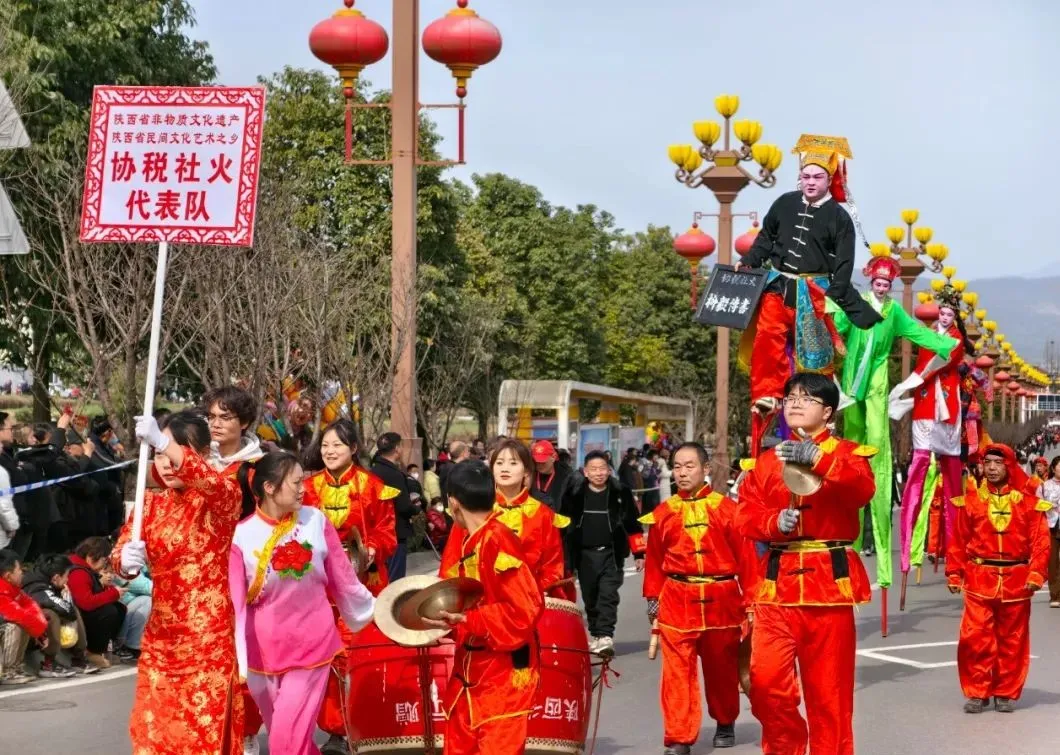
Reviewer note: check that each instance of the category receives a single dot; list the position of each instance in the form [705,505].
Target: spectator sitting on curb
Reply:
[137,600]
[47,585]
[23,621]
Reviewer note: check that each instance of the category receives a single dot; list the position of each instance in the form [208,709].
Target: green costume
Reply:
[867,421]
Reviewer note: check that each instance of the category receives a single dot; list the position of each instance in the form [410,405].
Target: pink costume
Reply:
[281,575]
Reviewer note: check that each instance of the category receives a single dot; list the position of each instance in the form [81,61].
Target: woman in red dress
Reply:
[353,499]
[187,691]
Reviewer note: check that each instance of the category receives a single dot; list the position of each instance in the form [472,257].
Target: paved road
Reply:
[908,699]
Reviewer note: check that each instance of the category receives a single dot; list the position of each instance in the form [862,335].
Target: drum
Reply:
[559,721]
[385,703]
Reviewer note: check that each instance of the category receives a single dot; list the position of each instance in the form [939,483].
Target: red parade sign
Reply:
[176,164]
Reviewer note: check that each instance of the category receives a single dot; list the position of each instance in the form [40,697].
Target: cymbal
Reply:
[388,607]
[800,480]
[454,595]
[358,553]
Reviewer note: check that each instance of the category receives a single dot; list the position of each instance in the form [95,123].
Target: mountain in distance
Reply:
[1027,310]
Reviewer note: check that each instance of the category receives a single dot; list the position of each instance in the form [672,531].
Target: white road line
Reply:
[33,689]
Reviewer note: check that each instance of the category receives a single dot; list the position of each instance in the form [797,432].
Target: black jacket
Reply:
[621,511]
[45,594]
[404,508]
[563,478]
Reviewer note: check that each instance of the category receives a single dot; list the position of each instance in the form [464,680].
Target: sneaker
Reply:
[1054,603]
[594,644]
[605,647]
[725,735]
[335,746]
[976,705]
[15,677]
[1004,704]
[97,660]
[678,750]
[83,667]
[127,655]
[49,669]
[250,745]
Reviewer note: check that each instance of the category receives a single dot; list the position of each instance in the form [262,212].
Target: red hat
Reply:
[882,267]
[543,451]
[1017,478]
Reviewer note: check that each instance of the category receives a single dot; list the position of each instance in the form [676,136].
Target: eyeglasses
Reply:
[801,400]
[218,418]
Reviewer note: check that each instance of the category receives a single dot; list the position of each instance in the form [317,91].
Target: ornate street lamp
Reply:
[695,246]
[908,257]
[349,42]
[718,169]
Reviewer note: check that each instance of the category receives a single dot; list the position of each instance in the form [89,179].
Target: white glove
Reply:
[133,557]
[898,408]
[148,432]
[788,520]
[913,381]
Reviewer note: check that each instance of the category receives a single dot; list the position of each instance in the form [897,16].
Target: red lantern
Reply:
[694,246]
[462,41]
[1013,387]
[927,312]
[1002,377]
[746,241]
[984,362]
[348,42]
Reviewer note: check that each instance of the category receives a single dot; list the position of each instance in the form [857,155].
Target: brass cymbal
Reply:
[358,553]
[388,607]
[800,480]
[454,595]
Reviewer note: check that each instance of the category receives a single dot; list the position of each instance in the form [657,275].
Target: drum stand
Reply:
[428,710]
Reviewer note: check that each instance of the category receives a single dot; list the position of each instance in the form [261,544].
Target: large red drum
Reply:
[385,706]
[559,721]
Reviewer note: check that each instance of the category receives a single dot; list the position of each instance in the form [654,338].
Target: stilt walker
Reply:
[936,420]
[807,246]
[865,380]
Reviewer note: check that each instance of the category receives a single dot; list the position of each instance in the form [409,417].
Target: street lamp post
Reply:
[725,178]
[348,41]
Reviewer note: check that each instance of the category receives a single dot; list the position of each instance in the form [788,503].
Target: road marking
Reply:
[877,655]
[33,689]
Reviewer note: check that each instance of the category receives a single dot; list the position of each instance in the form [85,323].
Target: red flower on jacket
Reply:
[293,559]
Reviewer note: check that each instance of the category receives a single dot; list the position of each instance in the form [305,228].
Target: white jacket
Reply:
[8,515]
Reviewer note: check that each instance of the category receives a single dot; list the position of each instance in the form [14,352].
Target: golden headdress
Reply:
[823,151]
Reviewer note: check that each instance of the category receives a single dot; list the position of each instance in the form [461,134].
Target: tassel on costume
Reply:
[845,588]
[767,591]
[521,677]
[838,185]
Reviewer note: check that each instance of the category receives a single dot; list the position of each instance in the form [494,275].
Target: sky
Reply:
[950,106]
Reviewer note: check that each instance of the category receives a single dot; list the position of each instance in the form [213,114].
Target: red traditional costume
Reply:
[699,568]
[803,608]
[490,695]
[998,559]
[357,500]
[187,694]
[538,528]
[937,428]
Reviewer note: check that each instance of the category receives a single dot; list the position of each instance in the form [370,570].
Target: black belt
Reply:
[701,579]
[998,561]
[836,549]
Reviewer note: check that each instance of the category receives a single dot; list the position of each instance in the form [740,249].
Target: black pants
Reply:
[102,625]
[600,579]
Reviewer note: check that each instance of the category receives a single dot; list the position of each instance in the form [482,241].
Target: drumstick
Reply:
[653,643]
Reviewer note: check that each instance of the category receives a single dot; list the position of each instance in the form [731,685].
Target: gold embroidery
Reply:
[999,509]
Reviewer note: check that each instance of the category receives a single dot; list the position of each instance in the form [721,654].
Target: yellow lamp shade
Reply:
[747,132]
[941,251]
[692,162]
[964,314]
[707,132]
[679,153]
[937,284]
[879,249]
[960,285]
[1000,338]
[949,271]
[990,325]
[923,297]
[910,216]
[980,314]
[727,105]
[775,159]
[896,233]
[923,234]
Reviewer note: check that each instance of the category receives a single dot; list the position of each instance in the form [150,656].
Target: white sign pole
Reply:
[149,391]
